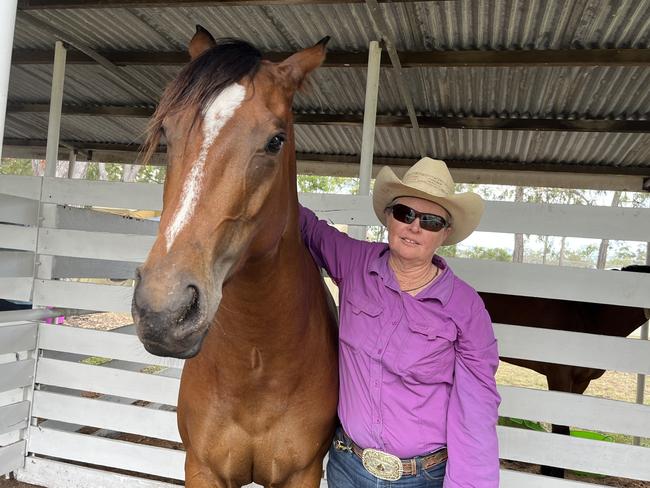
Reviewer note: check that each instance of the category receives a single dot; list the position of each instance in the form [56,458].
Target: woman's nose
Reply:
[415,225]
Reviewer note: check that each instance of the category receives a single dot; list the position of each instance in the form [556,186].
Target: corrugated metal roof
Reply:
[463,24]
[507,92]
[124,130]
[493,145]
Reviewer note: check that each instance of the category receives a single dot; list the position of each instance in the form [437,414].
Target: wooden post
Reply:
[56,103]
[8,22]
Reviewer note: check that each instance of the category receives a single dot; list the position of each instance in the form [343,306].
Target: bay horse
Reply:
[573,316]
[228,284]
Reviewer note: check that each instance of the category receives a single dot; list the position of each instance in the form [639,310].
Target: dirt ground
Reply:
[614,385]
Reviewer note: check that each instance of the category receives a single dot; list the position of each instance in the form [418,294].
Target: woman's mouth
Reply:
[409,241]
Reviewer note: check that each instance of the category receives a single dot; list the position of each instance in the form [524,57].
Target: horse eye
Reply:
[275,144]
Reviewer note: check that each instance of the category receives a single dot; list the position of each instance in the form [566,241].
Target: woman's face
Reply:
[409,242]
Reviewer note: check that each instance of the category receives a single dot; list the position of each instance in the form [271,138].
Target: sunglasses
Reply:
[407,215]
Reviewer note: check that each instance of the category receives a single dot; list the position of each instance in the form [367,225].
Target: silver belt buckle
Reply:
[382,465]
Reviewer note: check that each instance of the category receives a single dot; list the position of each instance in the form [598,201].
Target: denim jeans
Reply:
[345,470]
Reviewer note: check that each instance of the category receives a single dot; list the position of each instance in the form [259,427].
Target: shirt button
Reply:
[376,421]
[376,383]
[378,351]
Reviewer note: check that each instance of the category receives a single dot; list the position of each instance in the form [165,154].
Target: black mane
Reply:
[201,81]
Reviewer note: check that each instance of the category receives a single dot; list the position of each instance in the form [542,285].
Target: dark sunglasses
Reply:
[407,215]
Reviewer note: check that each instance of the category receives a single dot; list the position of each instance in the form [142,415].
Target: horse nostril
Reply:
[192,308]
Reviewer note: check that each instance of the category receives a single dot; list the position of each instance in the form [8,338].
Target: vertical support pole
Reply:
[7,25]
[72,159]
[56,103]
[369,122]
[640,378]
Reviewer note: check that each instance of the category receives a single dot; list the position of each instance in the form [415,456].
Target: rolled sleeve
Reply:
[332,249]
[473,406]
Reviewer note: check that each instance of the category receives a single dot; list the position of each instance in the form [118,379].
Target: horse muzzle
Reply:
[170,321]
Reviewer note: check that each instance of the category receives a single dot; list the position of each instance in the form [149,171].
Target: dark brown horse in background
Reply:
[228,283]
[590,318]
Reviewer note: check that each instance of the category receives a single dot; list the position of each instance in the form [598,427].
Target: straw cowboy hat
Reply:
[430,179]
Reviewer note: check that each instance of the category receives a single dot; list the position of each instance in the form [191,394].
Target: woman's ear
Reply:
[200,43]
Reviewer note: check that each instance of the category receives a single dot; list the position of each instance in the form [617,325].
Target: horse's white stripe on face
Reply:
[217,114]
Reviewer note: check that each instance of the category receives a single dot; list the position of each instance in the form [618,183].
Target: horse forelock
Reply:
[200,83]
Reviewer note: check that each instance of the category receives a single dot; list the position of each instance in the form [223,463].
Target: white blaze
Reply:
[217,114]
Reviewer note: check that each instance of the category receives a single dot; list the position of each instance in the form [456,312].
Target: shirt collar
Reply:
[440,289]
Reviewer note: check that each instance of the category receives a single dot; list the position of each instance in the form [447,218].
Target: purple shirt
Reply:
[416,373]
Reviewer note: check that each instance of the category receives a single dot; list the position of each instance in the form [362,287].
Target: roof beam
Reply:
[409,59]
[130,150]
[481,164]
[107,4]
[426,122]
[89,110]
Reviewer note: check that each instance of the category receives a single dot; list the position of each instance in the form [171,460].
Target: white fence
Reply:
[125,400]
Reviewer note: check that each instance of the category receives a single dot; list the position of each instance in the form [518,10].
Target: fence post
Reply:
[640,378]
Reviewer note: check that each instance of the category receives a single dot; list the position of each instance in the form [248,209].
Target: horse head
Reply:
[230,189]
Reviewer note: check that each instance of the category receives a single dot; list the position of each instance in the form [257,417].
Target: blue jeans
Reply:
[345,470]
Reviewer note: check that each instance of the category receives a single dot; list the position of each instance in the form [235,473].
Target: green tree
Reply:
[327,184]
[113,171]
[12,166]
[152,174]
[448,251]
[492,253]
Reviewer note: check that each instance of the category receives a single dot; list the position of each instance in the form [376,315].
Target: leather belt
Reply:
[409,467]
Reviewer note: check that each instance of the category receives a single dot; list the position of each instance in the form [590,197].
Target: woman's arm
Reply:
[472,413]
[332,249]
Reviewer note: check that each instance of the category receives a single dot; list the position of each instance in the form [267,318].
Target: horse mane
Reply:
[200,82]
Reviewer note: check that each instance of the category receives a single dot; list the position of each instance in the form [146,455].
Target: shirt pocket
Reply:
[427,352]
[360,322]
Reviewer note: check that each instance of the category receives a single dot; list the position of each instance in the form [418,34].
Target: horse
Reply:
[228,284]
[547,313]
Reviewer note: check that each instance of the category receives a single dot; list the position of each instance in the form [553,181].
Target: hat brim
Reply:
[465,209]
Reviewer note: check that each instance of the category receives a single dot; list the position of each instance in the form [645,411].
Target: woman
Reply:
[417,353]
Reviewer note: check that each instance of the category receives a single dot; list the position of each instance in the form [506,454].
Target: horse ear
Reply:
[201,42]
[300,64]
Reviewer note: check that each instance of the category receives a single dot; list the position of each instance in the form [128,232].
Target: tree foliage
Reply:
[327,184]
[11,166]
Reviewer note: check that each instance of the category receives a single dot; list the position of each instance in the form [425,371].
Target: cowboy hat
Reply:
[430,179]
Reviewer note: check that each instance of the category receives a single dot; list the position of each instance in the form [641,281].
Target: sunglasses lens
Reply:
[407,215]
[433,223]
[403,213]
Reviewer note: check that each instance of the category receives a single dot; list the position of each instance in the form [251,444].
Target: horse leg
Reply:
[199,475]
[559,379]
[307,478]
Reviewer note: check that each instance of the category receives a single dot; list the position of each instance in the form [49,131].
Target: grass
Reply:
[153,369]
[95,361]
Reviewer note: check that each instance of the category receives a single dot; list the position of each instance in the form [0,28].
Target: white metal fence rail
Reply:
[119,397]
[17,365]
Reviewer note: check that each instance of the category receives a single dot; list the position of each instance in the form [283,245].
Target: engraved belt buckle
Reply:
[382,465]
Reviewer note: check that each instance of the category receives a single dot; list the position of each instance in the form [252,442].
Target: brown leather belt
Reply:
[409,466]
